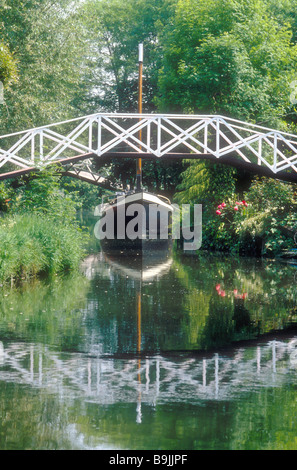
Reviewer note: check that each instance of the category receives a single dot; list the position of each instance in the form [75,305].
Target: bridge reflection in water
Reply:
[148,377]
[151,380]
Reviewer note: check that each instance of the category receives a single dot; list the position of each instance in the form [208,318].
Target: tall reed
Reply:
[33,243]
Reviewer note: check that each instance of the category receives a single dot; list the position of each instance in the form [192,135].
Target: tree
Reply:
[235,58]
[8,66]
[114,29]
[45,39]
[231,58]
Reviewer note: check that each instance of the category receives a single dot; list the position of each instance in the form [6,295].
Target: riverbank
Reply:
[33,244]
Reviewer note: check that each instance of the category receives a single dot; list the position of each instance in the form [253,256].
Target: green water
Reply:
[173,353]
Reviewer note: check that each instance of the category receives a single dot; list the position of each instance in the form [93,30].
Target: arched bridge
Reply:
[76,142]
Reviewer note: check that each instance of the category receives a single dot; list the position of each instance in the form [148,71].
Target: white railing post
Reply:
[148,135]
[260,151]
[99,134]
[41,145]
[189,132]
[217,153]
[33,147]
[205,138]
[90,133]
[159,137]
[274,152]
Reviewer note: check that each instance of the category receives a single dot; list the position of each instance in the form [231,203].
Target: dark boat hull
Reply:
[109,245]
[150,236]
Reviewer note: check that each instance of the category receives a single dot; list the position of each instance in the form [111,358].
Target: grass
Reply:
[33,244]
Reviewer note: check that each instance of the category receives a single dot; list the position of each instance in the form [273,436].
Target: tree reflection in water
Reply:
[147,354]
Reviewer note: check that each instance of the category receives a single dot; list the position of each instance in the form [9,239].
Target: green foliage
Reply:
[32,244]
[110,83]
[266,226]
[230,58]
[85,195]
[205,182]
[272,216]
[221,228]
[209,184]
[115,28]
[46,41]
[233,57]
[40,233]
[5,197]
[8,67]
[271,195]
[43,194]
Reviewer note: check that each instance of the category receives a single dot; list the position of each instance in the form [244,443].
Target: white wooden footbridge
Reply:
[75,144]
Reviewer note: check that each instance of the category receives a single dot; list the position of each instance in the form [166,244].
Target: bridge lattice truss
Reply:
[75,143]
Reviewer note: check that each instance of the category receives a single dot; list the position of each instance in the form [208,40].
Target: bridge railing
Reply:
[149,135]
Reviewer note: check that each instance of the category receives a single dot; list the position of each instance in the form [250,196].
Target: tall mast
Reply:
[139,160]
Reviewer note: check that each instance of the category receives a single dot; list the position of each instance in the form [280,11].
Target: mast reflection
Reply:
[141,267]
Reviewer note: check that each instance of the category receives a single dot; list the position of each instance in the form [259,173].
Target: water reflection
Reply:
[187,303]
[151,353]
[159,379]
[141,268]
[130,264]
[157,383]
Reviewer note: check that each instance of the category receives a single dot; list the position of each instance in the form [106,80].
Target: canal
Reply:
[175,352]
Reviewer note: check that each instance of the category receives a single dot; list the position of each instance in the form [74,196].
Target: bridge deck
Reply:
[96,179]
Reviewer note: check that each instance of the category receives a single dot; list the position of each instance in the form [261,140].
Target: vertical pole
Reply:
[139,160]
[139,321]
[138,408]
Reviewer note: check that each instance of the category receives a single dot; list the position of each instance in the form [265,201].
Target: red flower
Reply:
[218,212]
[244,203]
[220,206]
[223,204]
[236,208]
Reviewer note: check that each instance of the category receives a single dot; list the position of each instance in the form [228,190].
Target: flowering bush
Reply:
[272,217]
[264,226]
[228,212]
[223,205]
[221,232]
